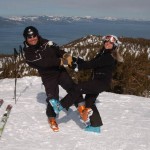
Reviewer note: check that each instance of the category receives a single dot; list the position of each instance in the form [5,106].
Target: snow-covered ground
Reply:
[126,120]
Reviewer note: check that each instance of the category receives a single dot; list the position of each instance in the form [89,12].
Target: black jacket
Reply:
[45,57]
[103,65]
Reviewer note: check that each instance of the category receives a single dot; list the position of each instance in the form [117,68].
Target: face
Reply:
[32,40]
[108,45]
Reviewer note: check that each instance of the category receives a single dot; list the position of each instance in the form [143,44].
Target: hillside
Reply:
[130,77]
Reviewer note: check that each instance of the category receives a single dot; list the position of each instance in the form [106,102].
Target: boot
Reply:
[56,105]
[53,124]
[86,113]
[93,129]
[81,109]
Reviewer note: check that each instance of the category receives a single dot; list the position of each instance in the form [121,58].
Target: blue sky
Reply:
[131,9]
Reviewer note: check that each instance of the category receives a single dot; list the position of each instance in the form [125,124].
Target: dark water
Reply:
[11,36]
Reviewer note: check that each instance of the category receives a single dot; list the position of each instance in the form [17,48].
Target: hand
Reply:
[66,62]
[63,62]
[68,57]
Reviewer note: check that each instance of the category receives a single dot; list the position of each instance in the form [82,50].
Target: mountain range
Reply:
[59,19]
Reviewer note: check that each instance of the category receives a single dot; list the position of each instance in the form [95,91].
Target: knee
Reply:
[90,103]
[47,99]
[50,96]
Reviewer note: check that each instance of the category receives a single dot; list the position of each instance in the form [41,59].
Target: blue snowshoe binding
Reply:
[56,105]
[93,129]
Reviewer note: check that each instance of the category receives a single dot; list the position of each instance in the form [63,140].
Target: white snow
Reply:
[126,120]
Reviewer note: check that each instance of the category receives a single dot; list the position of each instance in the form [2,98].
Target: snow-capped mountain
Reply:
[44,19]
[63,30]
[56,19]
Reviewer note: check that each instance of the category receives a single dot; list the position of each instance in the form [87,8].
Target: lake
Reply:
[11,36]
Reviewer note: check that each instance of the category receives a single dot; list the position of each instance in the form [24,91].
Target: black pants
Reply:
[52,83]
[91,88]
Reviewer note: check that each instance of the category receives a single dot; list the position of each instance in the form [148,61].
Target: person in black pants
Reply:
[50,61]
[103,65]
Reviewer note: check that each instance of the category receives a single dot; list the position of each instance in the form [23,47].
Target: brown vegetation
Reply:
[130,77]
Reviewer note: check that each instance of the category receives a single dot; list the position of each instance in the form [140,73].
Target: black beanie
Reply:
[30,31]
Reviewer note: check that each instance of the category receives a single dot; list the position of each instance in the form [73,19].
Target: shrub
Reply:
[130,77]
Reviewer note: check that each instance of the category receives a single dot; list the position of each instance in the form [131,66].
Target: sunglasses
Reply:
[31,36]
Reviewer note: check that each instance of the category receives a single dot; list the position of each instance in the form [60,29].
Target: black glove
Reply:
[80,61]
[74,66]
[75,63]
[77,60]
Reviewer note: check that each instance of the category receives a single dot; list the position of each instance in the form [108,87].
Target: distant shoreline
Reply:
[63,30]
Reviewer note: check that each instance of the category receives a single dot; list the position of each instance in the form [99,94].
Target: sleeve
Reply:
[43,59]
[59,51]
[102,61]
[45,63]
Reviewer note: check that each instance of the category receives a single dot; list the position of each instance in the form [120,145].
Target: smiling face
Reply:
[110,41]
[108,45]
[32,40]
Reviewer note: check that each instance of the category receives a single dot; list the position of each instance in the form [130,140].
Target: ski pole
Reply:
[15,58]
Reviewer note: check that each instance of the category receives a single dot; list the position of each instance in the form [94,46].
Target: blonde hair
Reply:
[116,55]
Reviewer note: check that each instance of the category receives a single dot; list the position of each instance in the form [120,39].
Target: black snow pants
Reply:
[51,84]
[91,88]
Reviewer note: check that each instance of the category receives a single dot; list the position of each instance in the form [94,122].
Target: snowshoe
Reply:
[93,129]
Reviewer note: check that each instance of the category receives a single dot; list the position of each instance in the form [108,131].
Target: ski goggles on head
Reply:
[110,39]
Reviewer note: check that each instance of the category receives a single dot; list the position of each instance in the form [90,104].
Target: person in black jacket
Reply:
[103,65]
[50,61]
